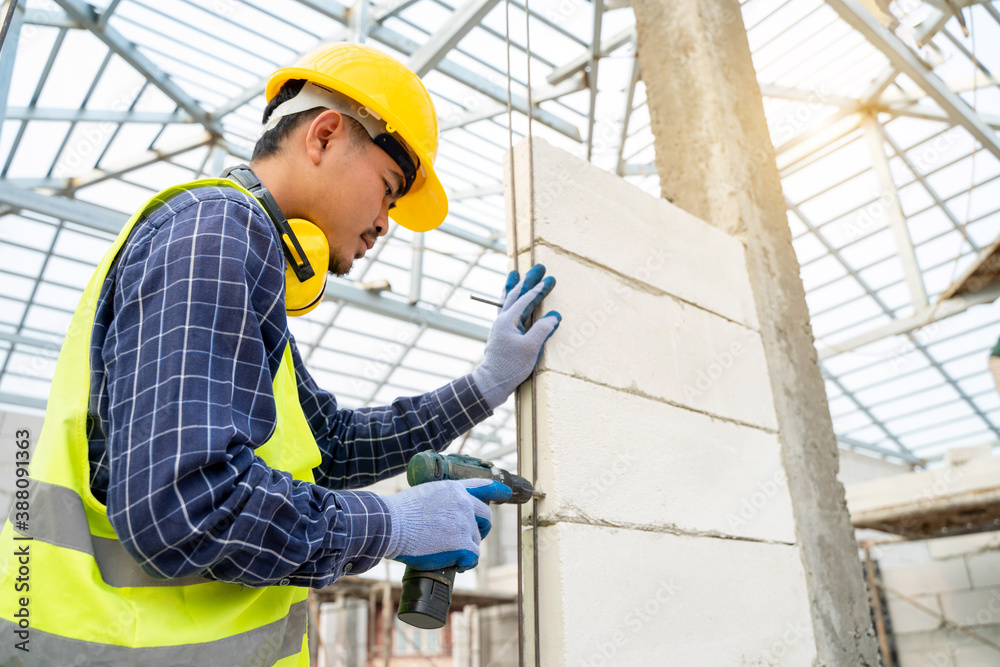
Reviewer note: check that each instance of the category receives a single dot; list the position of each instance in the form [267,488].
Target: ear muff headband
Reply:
[307,261]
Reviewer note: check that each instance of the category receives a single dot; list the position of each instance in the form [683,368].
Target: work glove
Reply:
[512,351]
[440,524]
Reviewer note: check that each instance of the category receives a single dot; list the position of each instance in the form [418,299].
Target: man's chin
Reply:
[339,267]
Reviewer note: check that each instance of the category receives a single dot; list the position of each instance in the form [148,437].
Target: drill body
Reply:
[426,594]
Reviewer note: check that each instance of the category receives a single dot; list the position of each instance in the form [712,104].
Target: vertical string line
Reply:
[517,398]
[534,317]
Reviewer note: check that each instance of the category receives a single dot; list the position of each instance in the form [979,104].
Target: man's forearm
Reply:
[365,445]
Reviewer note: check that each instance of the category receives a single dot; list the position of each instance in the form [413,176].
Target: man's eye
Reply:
[392,206]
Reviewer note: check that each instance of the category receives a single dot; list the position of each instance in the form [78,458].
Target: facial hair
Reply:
[340,266]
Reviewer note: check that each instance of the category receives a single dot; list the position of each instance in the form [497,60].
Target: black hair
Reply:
[270,143]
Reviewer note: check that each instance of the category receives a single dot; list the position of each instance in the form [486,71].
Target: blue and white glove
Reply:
[511,350]
[440,524]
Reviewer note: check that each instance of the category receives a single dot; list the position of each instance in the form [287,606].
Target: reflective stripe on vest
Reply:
[258,647]
[58,518]
[89,601]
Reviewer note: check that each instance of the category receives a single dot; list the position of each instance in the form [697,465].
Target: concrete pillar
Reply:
[667,532]
[716,161]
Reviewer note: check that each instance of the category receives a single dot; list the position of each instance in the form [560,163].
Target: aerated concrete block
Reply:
[594,214]
[618,458]
[928,578]
[616,333]
[984,568]
[976,607]
[950,547]
[658,599]
[907,618]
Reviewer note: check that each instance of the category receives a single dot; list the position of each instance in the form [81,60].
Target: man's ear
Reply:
[322,133]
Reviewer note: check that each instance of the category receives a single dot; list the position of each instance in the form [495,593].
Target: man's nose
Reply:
[382,222]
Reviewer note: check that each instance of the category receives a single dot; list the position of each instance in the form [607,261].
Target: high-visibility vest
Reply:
[88,601]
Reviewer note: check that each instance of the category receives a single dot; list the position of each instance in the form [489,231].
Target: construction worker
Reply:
[190,480]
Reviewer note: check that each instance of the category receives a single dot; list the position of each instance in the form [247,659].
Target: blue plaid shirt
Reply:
[189,333]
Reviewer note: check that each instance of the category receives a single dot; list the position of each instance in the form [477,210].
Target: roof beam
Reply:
[595,59]
[400,310]
[629,103]
[20,339]
[812,96]
[407,46]
[139,161]
[907,456]
[7,57]
[108,11]
[50,19]
[391,9]
[478,83]
[447,37]
[62,208]
[491,109]
[582,61]
[942,310]
[927,112]
[97,116]
[474,193]
[83,13]
[23,401]
[897,222]
[903,59]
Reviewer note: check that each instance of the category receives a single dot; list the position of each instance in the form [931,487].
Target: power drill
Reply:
[426,594]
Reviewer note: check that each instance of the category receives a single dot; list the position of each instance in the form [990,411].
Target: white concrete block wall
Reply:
[667,533]
[622,335]
[855,467]
[634,597]
[596,216]
[955,577]
[657,466]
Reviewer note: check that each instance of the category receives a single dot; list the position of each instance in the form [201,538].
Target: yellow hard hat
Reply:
[398,96]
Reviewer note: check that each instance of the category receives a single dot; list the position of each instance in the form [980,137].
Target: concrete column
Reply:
[667,533]
[716,161]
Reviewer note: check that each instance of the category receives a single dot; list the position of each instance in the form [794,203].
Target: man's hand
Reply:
[512,350]
[440,524]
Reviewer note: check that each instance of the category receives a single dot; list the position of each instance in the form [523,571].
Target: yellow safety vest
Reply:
[89,602]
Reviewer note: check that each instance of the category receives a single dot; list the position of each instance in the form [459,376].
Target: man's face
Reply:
[353,210]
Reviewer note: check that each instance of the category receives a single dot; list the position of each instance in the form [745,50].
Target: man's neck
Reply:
[276,177]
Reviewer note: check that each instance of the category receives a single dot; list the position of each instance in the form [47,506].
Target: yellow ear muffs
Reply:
[302,296]
[305,277]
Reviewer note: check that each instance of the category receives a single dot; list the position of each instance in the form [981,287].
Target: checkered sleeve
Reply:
[365,445]
[189,362]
